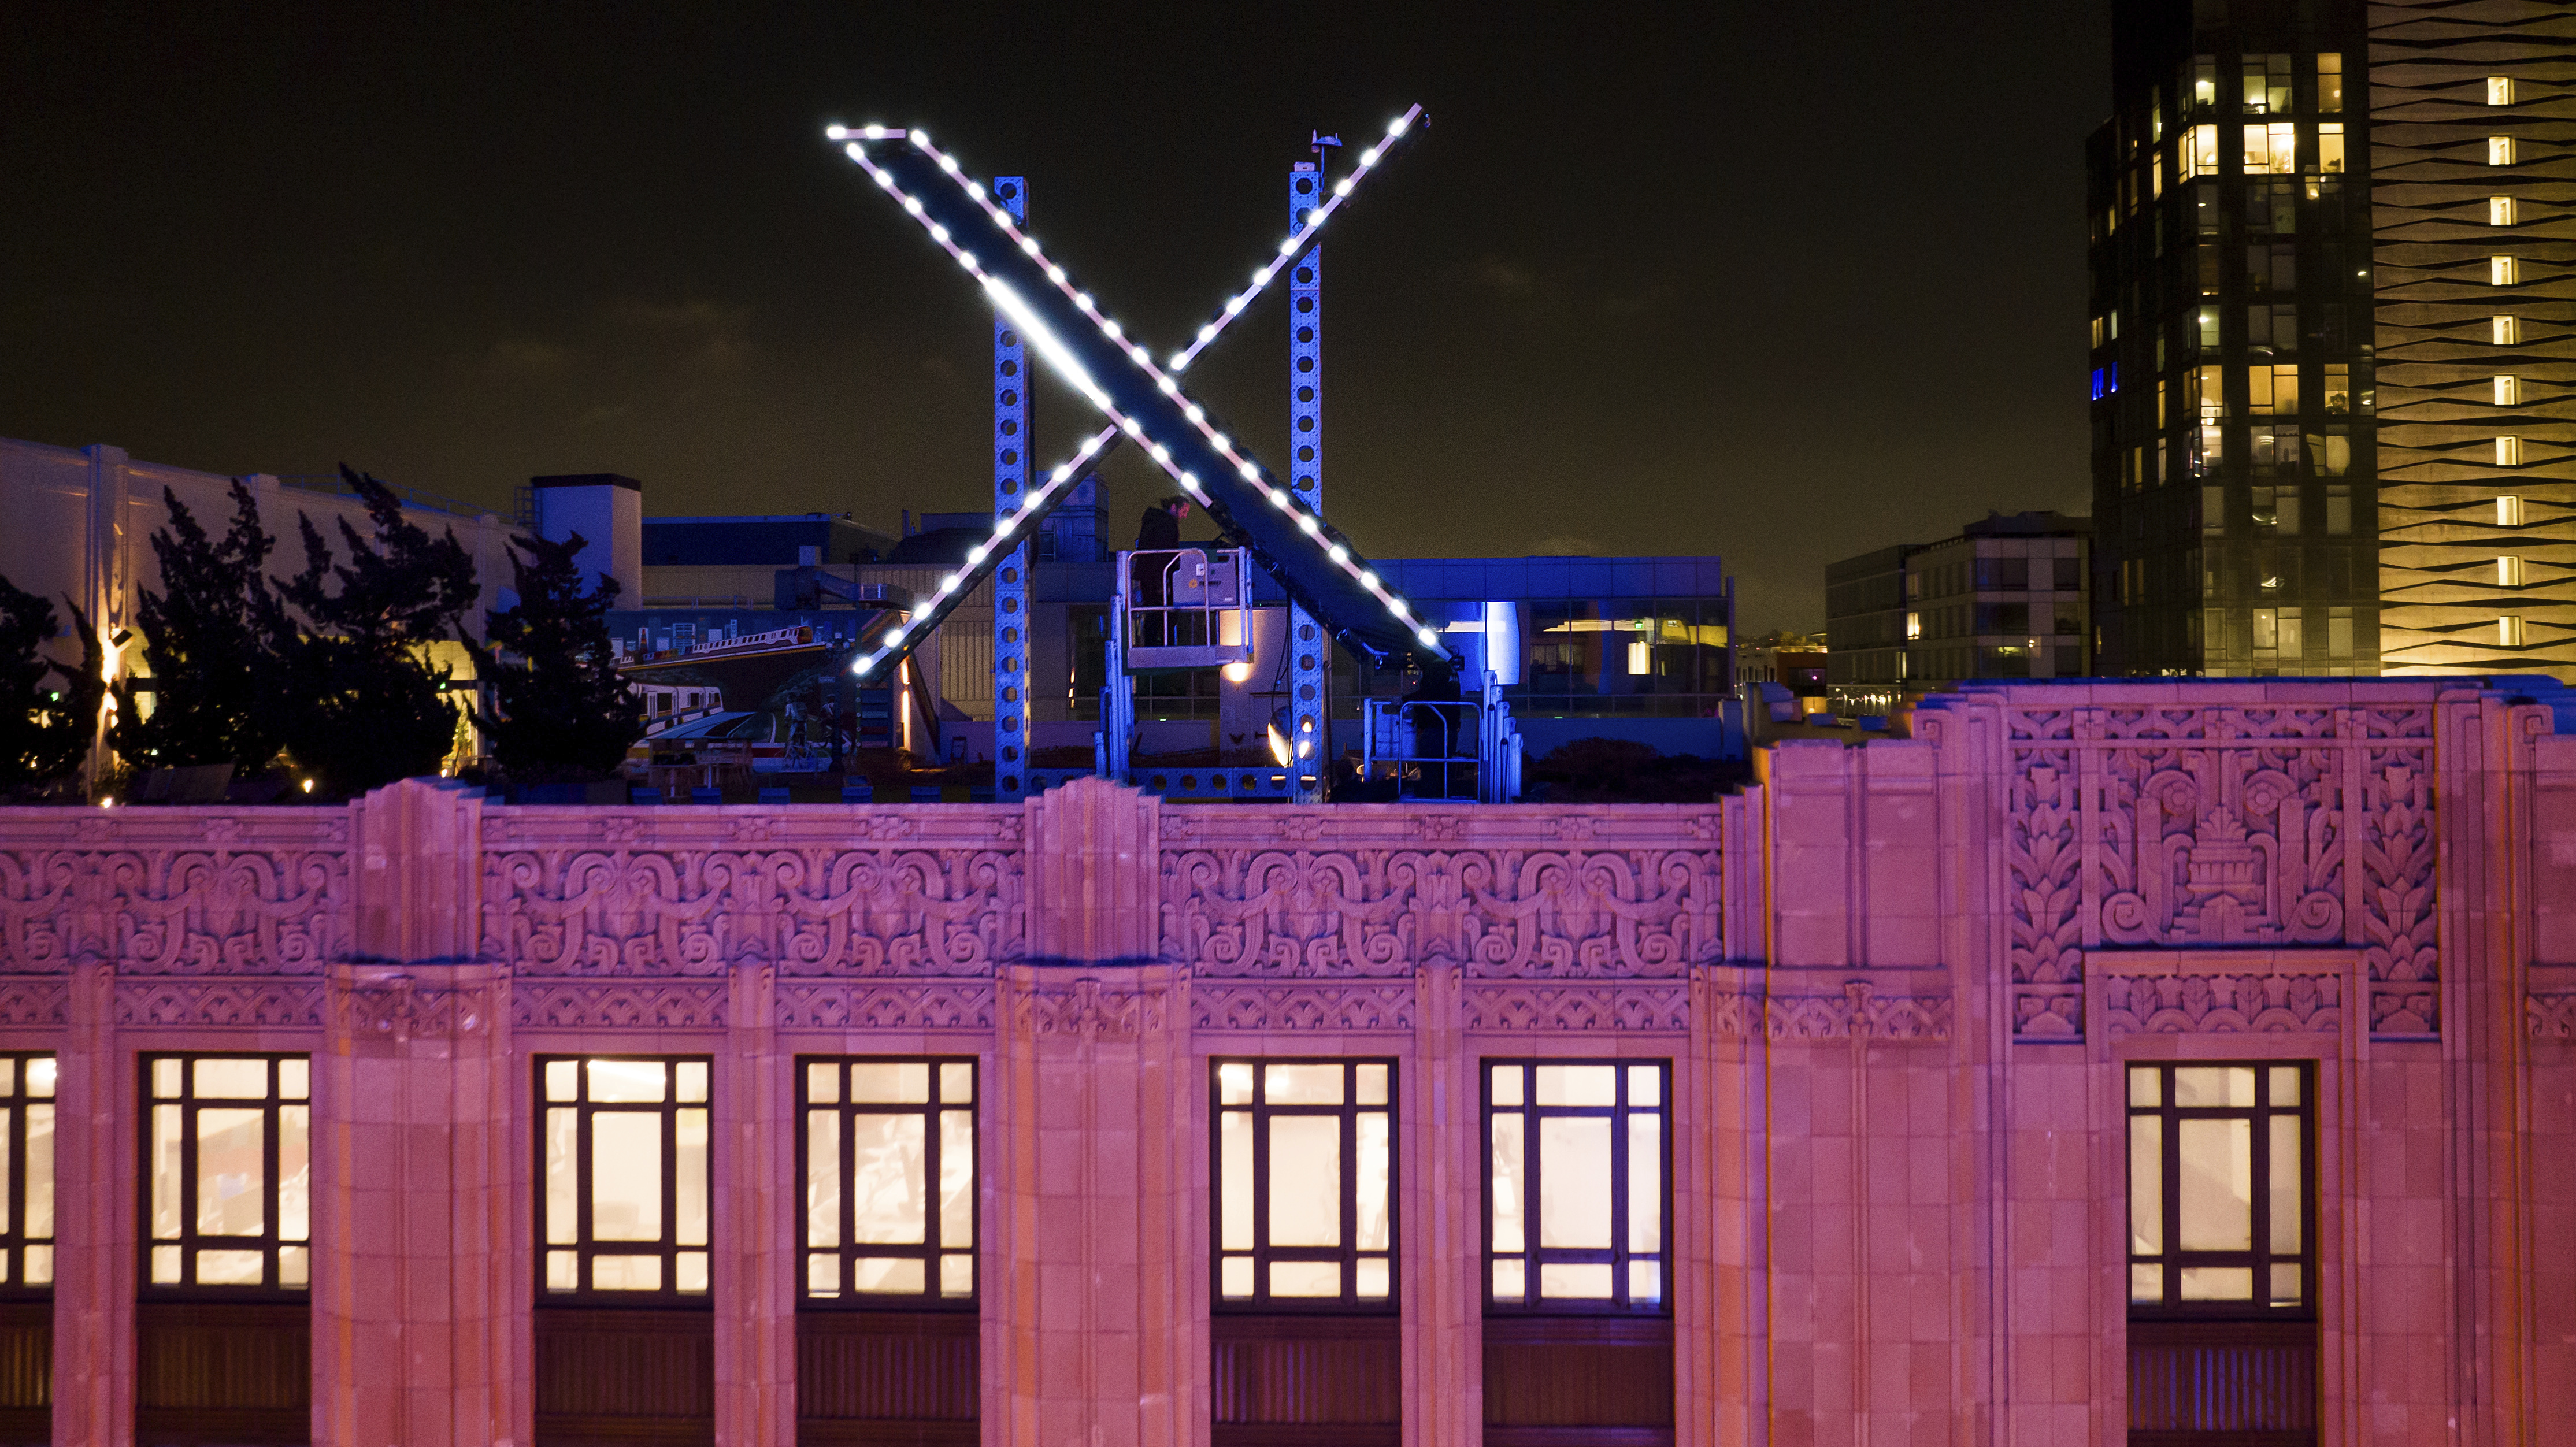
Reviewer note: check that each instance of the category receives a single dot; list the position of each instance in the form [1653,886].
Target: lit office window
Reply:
[2500,150]
[2221,1206]
[2508,391]
[26,1170]
[227,1159]
[623,1158]
[2508,511]
[2506,331]
[2267,84]
[1578,1204]
[2504,270]
[2200,151]
[2509,571]
[2499,90]
[2273,390]
[2330,83]
[2330,147]
[888,1157]
[2271,149]
[2510,632]
[1305,1182]
[2503,211]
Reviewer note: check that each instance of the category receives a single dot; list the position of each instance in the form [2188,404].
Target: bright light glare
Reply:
[1238,672]
[1048,345]
[836,132]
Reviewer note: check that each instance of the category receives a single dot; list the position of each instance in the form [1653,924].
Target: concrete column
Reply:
[94,1221]
[1442,1252]
[419,1292]
[755,1222]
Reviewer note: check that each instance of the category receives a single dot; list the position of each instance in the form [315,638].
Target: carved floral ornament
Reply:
[174,912]
[2220,828]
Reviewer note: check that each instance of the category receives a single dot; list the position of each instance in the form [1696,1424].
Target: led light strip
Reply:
[1045,342]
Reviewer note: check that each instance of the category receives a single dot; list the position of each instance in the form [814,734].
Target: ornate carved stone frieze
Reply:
[174,891]
[603,892]
[1322,1007]
[852,1005]
[2193,828]
[1533,894]
[1090,1008]
[400,1007]
[220,1004]
[2247,1003]
[39,1003]
[1579,1008]
[2550,1016]
[558,1004]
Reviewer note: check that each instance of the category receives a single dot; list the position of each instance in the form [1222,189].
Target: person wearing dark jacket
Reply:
[1158,536]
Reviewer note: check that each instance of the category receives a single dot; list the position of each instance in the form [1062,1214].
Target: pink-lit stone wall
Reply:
[1897,983]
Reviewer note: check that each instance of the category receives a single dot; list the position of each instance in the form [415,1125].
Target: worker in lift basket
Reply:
[1158,536]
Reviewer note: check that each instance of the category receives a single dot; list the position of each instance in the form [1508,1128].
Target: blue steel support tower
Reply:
[1310,653]
[1011,440]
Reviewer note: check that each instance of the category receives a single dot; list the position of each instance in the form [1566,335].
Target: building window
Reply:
[623,1157]
[2330,148]
[1577,1199]
[2500,150]
[2338,510]
[2507,331]
[2267,84]
[1305,1182]
[2329,453]
[2221,1205]
[2508,511]
[2339,633]
[2200,151]
[27,1156]
[227,1165]
[2502,211]
[2273,390]
[2508,391]
[2508,451]
[888,1160]
[2503,270]
[2509,631]
[2330,83]
[2509,571]
[2272,149]
[1913,626]
[2338,388]
[2499,90]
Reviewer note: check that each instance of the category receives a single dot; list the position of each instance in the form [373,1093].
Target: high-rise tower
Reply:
[2234,461]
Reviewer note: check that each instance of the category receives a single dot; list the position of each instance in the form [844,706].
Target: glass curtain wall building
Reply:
[2233,450]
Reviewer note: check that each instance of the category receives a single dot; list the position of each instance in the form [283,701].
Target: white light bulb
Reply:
[912,205]
[1338,554]
[1368,580]
[1062,474]
[1028,246]
[1261,277]
[1109,329]
[1194,413]
[1219,441]
[1207,333]
[885,180]
[854,153]
[1396,607]
[1082,299]
[1315,217]
[920,611]
[948,163]
[1190,480]
[836,131]
[1344,188]
[1234,306]
[1008,524]
[1306,524]
[1429,638]
[1368,158]
[1278,495]
[1055,273]
[1162,454]
[919,138]
[1287,246]
[863,665]
[1170,387]
[948,584]
[1396,127]
[966,259]
[976,555]
[1143,358]
[1253,474]
[1128,425]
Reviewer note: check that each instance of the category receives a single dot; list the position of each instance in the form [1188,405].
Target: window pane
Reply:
[231,1268]
[1509,1184]
[822,1178]
[1578,1084]
[1372,1168]
[1511,1282]
[2216,1186]
[40,1077]
[1645,1282]
[2146,1283]
[626,1178]
[5,1114]
[2214,1085]
[957,1274]
[1645,1182]
[822,1274]
[562,1221]
[165,1169]
[165,1265]
[689,1199]
[2285,1078]
[40,1265]
[1372,1085]
[822,1084]
[294,1173]
[231,1079]
[890,1082]
[40,1171]
[1302,1084]
[628,1082]
[563,1082]
[1235,1279]
[2217,1283]
[166,1075]
[1573,1182]
[956,1177]
[295,1079]
[2146,1185]
[2286,1195]
[1645,1085]
[1305,1278]
[626,1273]
[1305,1181]
[294,1266]
[1574,1281]
[906,1275]
[1507,1084]
[231,1171]
[1234,1152]
[889,1186]
[1234,1083]
[2287,1288]
[957,1082]
[692,1078]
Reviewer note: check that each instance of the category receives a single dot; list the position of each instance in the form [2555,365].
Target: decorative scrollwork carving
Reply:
[1338,1007]
[1579,1008]
[2228,1004]
[219,1003]
[840,1005]
[623,1005]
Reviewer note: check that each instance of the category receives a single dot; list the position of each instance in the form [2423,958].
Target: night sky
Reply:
[1780,281]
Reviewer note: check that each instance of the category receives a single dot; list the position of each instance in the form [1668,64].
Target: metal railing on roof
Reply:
[330,484]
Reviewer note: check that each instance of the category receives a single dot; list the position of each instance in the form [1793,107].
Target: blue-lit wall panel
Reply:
[1011,441]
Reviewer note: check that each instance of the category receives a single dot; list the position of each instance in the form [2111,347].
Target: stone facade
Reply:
[1896,984]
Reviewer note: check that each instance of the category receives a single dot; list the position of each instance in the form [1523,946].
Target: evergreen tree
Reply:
[213,676]
[564,713]
[366,707]
[47,709]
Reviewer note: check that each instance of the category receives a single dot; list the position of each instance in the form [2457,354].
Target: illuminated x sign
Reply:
[1142,400]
